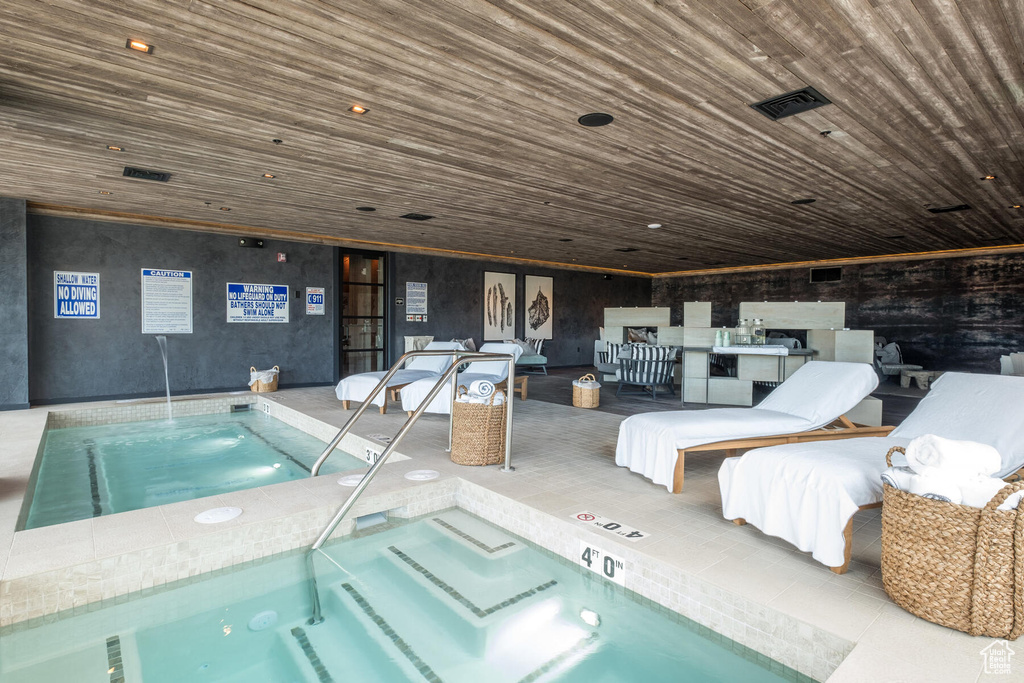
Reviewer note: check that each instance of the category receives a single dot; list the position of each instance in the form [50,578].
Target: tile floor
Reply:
[564,460]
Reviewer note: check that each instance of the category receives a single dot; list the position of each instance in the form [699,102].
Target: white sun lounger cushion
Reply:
[358,387]
[815,395]
[805,493]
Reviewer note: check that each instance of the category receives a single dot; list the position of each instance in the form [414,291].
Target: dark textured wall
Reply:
[79,359]
[455,303]
[946,314]
[13,305]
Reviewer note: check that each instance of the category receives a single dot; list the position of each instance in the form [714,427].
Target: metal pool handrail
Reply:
[450,373]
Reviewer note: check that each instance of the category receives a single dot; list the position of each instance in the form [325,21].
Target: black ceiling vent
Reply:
[803,201]
[791,103]
[626,250]
[416,216]
[142,174]
[832,274]
[947,209]
[595,119]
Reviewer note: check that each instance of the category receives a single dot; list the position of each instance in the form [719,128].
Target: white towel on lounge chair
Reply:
[806,493]
[358,387]
[815,395]
[492,371]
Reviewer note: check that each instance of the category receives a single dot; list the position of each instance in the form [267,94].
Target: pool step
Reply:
[114,659]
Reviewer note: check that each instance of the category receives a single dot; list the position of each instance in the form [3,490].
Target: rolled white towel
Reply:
[931,486]
[481,388]
[977,492]
[898,477]
[959,459]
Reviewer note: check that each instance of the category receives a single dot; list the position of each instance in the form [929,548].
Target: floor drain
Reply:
[422,475]
[351,480]
[217,515]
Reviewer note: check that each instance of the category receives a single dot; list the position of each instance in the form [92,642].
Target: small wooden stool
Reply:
[923,377]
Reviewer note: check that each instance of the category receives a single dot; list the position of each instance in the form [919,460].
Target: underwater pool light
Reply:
[590,617]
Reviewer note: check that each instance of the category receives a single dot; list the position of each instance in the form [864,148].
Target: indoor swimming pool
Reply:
[448,597]
[98,470]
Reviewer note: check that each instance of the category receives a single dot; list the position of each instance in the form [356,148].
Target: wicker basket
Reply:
[478,431]
[955,565]
[586,397]
[263,387]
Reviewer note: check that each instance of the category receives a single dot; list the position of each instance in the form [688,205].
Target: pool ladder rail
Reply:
[451,374]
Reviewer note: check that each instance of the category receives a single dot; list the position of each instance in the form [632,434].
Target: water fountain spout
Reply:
[162,341]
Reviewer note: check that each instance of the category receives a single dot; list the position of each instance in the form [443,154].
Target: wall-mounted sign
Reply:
[416,298]
[315,300]
[250,303]
[76,295]
[166,301]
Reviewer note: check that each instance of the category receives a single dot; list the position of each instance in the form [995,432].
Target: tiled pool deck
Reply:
[752,588]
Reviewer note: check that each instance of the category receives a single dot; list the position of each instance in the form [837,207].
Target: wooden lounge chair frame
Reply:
[840,428]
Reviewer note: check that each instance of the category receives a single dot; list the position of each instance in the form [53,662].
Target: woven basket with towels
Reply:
[955,565]
[586,392]
[478,429]
[262,381]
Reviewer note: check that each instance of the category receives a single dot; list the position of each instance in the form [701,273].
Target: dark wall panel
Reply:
[13,305]
[946,314]
[78,359]
[455,308]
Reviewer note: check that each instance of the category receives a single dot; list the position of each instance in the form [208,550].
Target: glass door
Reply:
[363,325]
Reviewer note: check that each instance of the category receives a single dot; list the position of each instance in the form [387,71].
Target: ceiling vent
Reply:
[416,216]
[832,274]
[142,174]
[791,103]
[948,209]
[626,250]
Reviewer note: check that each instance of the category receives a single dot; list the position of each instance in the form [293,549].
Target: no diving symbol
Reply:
[585,517]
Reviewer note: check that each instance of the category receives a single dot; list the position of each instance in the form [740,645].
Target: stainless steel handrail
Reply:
[434,391]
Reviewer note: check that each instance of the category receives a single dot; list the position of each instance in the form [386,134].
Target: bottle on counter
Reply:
[743,332]
[758,332]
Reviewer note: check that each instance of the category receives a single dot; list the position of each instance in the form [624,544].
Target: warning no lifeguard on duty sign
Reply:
[76,295]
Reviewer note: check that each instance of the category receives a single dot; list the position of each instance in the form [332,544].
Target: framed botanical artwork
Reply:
[539,307]
[499,306]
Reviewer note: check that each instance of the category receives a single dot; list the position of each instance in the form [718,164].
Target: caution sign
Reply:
[76,295]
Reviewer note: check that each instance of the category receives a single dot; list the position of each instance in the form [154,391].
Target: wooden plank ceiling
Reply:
[472,119]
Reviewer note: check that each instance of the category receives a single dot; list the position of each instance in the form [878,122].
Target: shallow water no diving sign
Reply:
[621,530]
[76,295]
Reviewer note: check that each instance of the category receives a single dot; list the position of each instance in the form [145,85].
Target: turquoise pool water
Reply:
[447,598]
[92,471]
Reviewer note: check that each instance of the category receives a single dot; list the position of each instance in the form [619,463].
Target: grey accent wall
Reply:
[13,305]
[455,303]
[110,357]
[946,314]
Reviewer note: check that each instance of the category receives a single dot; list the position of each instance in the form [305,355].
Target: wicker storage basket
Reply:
[478,431]
[263,387]
[955,565]
[583,397]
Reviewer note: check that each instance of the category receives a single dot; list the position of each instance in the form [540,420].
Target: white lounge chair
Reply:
[815,396]
[493,370]
[358,387]
[808,493]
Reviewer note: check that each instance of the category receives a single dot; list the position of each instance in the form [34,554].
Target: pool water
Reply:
[99,470]
[446,598]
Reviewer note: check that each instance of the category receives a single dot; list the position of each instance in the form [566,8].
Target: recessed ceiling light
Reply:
[225,208]
[594,120]
[105,192]
[365,208]
[565,239]
[269,175]
[627,249]
[683,258]
[949,209]
[356,109]
[277,141]
[895,237]
[139,46]
[803,201]
[115,148]
[1014,206]
[416,216]
[654,226]
[987,177]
